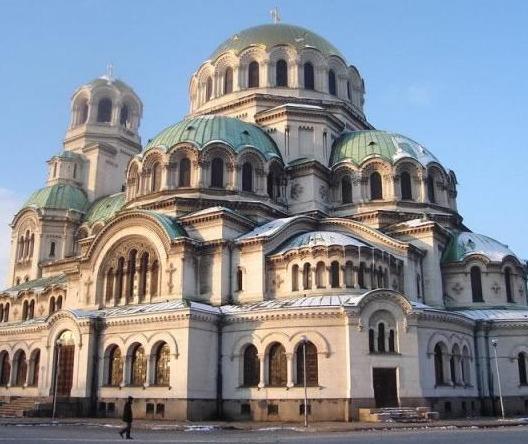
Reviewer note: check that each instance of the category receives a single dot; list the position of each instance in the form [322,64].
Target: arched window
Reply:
[309,78]
[5,369]
[466,379]
[334,274]
[74,170]
[1,312]
[431,189]
[104,110]
[253,75]
[120,278]
[277,365]
[35,369]
[376,190]
[21,368]
[332,87]
[418,286]
[247,177]
[109,284]
[185,173]
[349,274]
[251,366]
[372,335]
[138,366]
[476,284]
[154,276]
[25,310]
[142,288]
[320,270]
[131,274]
[381,337]
[282,73]
[349,94]
[405,183]
[392,341]
[521,364]
[507,283]
[156,177]
[83,111]
[26,244]
[361,275]
[32,244]
[6,313]
[52,305]
[115,367]
[21,247]
[162,365]
[217,173]
[307,276]
[31,309]
[295,277]
[228,81]
[240,280]
[59,303]
[452,369]
[439,365]
[312,371]
[208,89]
[52,249]
[123,116]
[346,190]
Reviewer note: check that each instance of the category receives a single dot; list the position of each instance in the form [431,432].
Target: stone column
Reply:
[262,377]
[289,370]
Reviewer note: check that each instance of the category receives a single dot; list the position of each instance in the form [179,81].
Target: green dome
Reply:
[464,244]
[358,146]
[276,34]
[104,209]
[60,196]
[202,130]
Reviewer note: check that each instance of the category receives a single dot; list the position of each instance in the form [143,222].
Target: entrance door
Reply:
[65,368]
[385,391]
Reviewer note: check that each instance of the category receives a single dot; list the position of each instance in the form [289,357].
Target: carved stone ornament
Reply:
[457,288]
[323,193]
[296,190]
[496,288]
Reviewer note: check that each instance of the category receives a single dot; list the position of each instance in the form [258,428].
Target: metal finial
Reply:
[275,17]
[110,71]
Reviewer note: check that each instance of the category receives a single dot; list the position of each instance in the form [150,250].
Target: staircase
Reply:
[398,414]
[17,407]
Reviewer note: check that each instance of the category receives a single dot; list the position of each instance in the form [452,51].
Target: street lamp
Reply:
[58,344]
[494,342]
[304,341]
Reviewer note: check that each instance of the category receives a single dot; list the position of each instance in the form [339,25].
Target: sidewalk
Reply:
[210,426]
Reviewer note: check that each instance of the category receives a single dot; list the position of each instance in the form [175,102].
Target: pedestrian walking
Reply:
[127,418]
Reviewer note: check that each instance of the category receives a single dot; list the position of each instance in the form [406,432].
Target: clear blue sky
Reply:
[451,74]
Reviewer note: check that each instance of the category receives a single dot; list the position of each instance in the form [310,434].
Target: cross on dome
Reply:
[275,17]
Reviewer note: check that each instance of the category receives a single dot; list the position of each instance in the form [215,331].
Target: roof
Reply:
[496,314]
[319,238]
[109,81]
[276,34]
[269,228]
[170,224]
[103,209]
[38,285]
[60,196]
[67,155]
[202,130]
[465,244]
[358,146]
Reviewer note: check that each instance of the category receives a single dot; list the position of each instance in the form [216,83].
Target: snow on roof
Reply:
[495,314]
[268,229]
[322,238]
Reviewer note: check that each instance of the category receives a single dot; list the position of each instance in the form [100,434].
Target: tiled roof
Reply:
[202,130]
[276,34]
[357,146]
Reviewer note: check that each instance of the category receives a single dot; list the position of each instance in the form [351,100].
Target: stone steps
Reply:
[397,414]
[17,407]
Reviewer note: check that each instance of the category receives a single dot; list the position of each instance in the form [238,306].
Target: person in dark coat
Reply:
[127,418]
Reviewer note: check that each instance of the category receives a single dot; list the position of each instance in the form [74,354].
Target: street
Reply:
[100,433]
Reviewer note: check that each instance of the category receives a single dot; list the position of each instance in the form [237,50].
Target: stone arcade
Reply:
[186,272]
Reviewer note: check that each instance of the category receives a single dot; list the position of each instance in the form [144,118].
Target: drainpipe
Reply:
[219,385]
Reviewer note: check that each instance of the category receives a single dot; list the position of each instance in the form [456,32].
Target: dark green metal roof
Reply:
[40,283]
[358,146]
[465,243]
[60,196]
[202,130]
[104,208]
[169,224]
[276,34]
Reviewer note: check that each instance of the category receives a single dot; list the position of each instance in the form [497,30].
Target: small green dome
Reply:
[276,34]
[104,209]
[358,146]
[202,130]
[60,196]
[464,244]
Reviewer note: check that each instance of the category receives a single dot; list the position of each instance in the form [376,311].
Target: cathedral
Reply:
[271,242]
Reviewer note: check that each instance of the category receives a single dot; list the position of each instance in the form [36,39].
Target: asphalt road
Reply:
[102,434]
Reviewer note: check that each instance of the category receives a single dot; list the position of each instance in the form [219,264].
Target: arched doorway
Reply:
[64,359]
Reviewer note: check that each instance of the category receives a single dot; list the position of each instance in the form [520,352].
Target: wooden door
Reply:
[65,368]
[385,389]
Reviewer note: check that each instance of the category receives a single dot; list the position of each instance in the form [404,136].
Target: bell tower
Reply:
[102,135]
